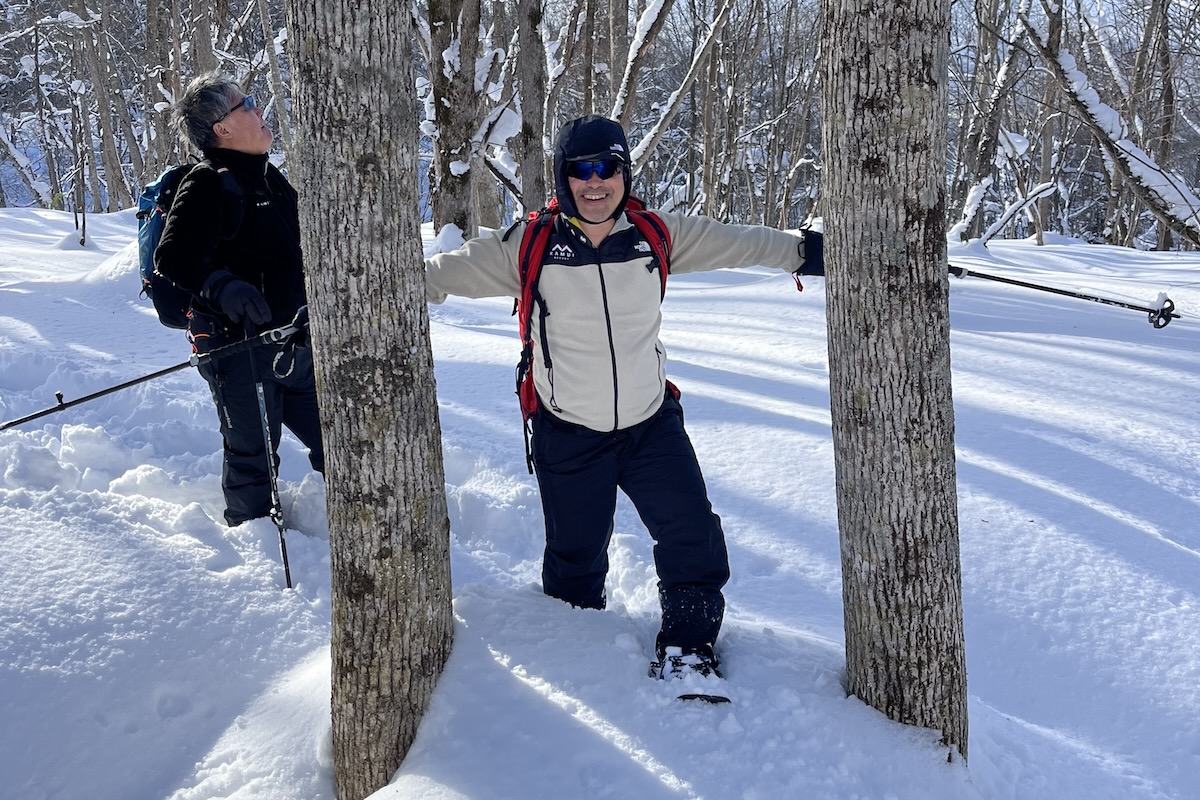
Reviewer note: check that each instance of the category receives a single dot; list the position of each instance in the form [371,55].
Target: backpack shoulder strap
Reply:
[233,197]
[654,229]
[529,262]
[534,241]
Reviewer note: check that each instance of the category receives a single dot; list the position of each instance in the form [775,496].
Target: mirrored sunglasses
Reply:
[248,102]
[604,168]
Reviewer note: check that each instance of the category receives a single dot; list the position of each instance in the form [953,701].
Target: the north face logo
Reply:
[561,252]
[642,246]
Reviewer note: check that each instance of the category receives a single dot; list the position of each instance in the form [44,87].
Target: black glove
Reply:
[300,323]
[236,299]
[812,250]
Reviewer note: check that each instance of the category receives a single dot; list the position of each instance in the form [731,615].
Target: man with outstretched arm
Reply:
[607,416]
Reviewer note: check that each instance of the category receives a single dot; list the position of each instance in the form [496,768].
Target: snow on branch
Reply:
[1034,194]
[648,26]
[1164,193]
[650,141]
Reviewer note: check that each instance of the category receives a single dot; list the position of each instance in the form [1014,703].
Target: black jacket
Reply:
[265,250]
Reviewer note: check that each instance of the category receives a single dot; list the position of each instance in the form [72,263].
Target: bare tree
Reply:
[531,80]
[91,34]
[356,140]
[668,111]
[454,32]
[991,82]
[624,94]
[884,120]
[278,92]
[1163,193]
[161,142]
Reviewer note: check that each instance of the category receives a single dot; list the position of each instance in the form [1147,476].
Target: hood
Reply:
[585,139]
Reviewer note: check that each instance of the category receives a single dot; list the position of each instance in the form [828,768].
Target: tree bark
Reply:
[278,89]
[118,195]
[531,78]
[884,111]
[44,112]
[618,44]
[454,26]
[161,140]
[356,171]
[202,52]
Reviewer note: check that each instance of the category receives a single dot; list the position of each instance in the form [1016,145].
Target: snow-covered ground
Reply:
[147,651]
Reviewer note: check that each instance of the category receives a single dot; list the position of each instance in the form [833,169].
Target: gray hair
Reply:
[205,102]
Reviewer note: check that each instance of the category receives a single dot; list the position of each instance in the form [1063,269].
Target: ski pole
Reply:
[273,336]
[1159,317]
[269,447]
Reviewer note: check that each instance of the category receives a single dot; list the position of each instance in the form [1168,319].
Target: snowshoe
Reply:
[693,675]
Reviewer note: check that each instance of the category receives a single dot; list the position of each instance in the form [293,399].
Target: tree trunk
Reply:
[202,51]
[120,108]
[44,113]
[587,36]
[994,80]
[160,138]
[454,26]
[567,45]
[643,149]
[884,119]
[356,169]
[531,77]
[1165,136]
[118,194]
[618,44]
[278,90]
[1049,122]
[626,72]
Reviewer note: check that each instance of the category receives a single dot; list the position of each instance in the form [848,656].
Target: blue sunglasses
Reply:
[604,168]
[248,102]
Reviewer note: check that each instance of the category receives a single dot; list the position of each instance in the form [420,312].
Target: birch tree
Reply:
[884,137]
[356,165]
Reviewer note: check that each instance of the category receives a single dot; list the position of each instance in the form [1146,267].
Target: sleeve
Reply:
[483,267]
[186,253]
[703,243]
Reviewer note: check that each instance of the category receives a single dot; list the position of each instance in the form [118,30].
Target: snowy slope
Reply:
[147,651]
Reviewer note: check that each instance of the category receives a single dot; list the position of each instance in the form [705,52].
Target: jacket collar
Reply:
[243,164]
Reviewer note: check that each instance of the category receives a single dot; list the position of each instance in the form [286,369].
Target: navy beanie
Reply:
[588,138]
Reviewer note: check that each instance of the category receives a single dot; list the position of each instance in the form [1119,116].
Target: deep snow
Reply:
[148,651]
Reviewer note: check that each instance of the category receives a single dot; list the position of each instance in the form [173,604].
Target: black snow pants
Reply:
[579,471]
[289,389]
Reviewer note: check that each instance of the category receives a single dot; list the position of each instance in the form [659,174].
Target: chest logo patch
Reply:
[561,252]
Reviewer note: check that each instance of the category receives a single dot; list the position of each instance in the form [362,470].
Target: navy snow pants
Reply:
[579,471]
[290,391]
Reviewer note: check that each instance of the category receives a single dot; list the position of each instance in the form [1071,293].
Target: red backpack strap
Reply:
[533,250]
[654,229]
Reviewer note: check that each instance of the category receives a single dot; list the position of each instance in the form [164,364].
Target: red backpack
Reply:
[533,251]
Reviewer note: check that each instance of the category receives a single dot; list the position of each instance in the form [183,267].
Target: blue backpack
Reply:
[170,302]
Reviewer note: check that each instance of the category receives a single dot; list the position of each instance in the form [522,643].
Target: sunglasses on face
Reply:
[248,102]
[583,170]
